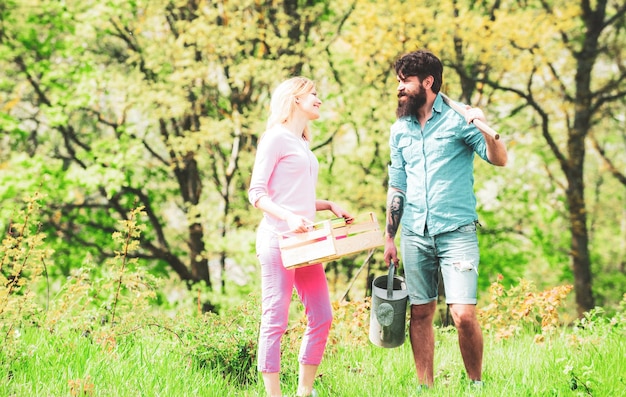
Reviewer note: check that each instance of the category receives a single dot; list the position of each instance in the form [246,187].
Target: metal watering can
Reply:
[388,312]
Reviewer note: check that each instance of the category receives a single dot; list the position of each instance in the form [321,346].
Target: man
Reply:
[431,172]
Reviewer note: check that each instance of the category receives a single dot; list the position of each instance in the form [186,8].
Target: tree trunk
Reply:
[189,180]
[581,262]
[199,263]
[586,58]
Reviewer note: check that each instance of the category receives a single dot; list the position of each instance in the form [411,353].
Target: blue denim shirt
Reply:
[434,166]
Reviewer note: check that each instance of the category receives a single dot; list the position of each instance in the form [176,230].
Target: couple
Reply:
[430,193]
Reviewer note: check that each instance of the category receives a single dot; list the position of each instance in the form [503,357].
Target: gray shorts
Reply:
[456,253]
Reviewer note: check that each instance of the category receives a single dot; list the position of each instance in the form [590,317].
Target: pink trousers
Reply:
[277,285]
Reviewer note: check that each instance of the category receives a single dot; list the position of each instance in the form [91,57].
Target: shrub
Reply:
[522,306]
[22,265]
[226,342]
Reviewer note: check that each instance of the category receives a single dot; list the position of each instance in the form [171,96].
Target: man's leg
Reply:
[422,337]
[460,257]
[470,338]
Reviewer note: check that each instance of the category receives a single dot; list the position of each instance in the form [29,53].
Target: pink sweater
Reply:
[286,170]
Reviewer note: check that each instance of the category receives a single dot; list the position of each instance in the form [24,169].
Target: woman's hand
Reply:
[298,224]
[341,213]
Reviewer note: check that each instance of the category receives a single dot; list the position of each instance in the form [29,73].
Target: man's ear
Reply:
[428,82]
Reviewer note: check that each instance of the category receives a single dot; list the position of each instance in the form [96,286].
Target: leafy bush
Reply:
[522,306]
[114,309]
[22,265]
[226,342]
[115,303]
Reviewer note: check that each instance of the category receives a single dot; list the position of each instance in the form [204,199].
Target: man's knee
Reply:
[424,312]
[464,316]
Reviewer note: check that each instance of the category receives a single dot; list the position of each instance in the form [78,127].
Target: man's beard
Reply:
[411,104]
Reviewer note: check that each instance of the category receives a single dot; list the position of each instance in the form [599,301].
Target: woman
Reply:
[283,187]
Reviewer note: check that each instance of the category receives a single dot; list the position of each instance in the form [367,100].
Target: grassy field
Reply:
[115,331]
[151,360]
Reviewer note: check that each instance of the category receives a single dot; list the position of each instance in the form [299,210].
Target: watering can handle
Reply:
[392,268]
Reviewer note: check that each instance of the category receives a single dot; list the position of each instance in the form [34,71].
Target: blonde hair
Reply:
[283,103]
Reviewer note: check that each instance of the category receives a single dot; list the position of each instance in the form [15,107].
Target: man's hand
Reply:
[472,114]
[391,253]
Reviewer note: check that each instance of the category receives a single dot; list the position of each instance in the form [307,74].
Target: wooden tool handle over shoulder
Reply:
[482,126]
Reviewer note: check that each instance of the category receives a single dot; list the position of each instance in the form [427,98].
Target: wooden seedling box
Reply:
[329,240]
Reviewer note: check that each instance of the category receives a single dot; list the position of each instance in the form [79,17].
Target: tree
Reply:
[155,104]
[591,82]
[109,106]
[559,79]
[573,53]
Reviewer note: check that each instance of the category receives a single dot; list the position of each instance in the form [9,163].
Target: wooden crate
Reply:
[330,240]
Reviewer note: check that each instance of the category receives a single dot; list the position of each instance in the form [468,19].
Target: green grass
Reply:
[72,344]
[518,367]
[151,363]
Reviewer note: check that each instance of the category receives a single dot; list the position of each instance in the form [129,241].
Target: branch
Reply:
[326,142]
[621,177]
[336,35]
[610,98]
[116,125]
[563,86]
[619,14]
[67,132]
[542,114]
[127,37]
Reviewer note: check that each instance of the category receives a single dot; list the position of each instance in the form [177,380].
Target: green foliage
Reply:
[23,259]
[595,323]
[590,330]
[70,350]
[106,106]
[499,255]
[226,343]
[135,284]
[107,300]
[157,359]
[522,308]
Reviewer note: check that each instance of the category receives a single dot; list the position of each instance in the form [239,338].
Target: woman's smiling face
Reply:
[310,104]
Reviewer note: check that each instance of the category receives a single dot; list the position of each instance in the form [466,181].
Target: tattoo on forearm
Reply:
[395,209]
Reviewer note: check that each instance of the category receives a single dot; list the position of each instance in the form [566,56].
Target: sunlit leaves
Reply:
[104,102]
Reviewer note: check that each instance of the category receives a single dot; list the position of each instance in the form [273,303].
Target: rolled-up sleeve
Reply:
[396,168]
[474,139]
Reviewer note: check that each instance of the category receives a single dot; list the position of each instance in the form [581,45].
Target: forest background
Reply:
[111,106]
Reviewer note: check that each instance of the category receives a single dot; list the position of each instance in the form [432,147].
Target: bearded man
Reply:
[431,178]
